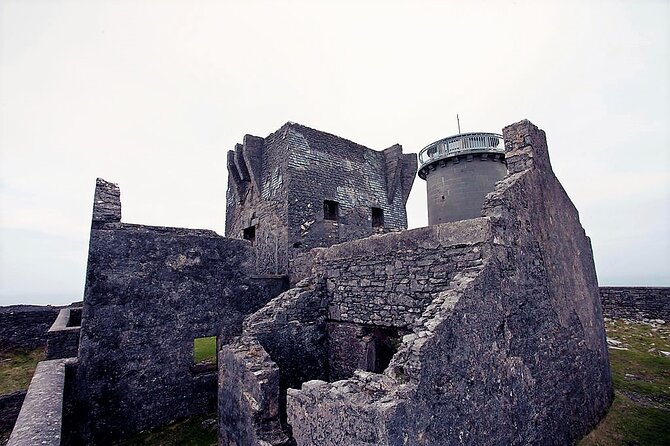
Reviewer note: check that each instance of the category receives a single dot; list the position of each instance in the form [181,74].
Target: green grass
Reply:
[17,368]
[195,431]
[640,413]
[204,350]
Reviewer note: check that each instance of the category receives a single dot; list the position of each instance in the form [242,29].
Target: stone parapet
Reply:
[63,336]
[41,418]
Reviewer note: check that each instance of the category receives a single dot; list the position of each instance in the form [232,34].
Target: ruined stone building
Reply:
[335,324]
[300,188]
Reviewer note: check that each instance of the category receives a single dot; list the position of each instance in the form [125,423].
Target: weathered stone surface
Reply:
[636,303]
[10,406]
[389,280]
[63,336]
[150,291]
[248,396]
[40,419]
[486,331]
[106,202]
[25,327]
[278,185]
[511,352]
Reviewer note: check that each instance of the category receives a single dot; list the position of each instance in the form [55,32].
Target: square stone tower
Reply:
[301,188]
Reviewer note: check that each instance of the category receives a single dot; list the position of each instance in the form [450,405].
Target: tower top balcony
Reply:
[462,144]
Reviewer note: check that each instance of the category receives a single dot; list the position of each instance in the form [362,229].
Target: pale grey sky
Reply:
[151,95]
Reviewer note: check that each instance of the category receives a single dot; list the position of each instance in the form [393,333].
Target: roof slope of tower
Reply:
[324,141]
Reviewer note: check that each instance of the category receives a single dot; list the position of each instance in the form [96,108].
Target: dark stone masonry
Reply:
[438,335]
[334,324]
[150,292]
[63,336]
[10,406]
[301,188]
[24,327]
[636,303]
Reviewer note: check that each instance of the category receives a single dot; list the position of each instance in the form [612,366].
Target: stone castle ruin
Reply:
[334,324]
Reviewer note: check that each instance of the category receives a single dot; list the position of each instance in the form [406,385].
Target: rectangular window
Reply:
[204,354]
[377,218]
[330,210]
[249,234]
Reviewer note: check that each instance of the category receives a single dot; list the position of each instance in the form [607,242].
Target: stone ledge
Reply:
[41,416]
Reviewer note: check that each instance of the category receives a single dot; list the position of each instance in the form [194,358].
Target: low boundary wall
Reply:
[25,326]
[63,336]
[636,302]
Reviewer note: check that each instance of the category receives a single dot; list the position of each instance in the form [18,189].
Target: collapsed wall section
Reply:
[150,293]
[512,353]
[291,332]
[308,336]
[249,396]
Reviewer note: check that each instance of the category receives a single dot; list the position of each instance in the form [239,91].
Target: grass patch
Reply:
[640,413]
[17,368]
[631,423]
[195,431]
[642,369]
[204,350]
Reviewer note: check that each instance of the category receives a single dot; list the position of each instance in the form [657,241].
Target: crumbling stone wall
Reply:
[308,336]
[636,302]
[278,186]
[249,396]
[389,280]
[291,331]
[150,291]
[510,353]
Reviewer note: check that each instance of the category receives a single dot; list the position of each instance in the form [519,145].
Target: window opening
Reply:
[377,218]
[204,354]
[330,210]
[249,234]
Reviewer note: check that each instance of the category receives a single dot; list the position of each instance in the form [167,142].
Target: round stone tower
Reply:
[459,171]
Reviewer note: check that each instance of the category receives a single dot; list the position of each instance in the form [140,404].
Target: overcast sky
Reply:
[151,95]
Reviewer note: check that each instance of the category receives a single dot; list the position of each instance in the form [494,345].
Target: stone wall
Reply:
[63,336]
[256,197]
[290,334]
[25,327]
[249,396]
[389,280]
[150,291]
[322,167]
[278,185]
[512,352]
[10,406]
[636,302]
[41,418]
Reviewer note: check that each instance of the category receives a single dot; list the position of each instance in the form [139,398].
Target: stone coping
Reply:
[41,417]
